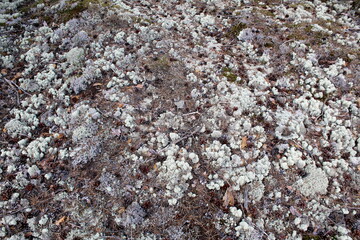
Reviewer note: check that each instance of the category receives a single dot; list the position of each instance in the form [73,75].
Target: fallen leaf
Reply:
[60,136]
[75,98]
[97,84]
[120,105]
[139,86]
[17,76]
[3,71]
[121,210]
[228,198]
[60,221]
[244,142]
[45,134]
[358,102]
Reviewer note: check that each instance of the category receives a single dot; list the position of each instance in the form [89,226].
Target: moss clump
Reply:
[142,21]
[304,31]
[265,12]
[160,64]
[269,44]
[311,237]
[230,76]
[73,9]
[234,31]
[80,6]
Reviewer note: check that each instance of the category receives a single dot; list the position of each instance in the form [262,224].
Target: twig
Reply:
[14,84]
[15,90]
[246,198]
[111,237]
[187,114]
[258,228]
[188,135]
[177,141]
[322,108]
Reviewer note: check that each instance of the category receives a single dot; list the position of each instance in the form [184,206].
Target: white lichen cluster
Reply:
[175,172]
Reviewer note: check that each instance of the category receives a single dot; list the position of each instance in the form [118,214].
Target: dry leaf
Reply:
[97,84]
[228,198]
[358,102]
[17,75]
[60,136]
[75,97]
[244,142]
[120,105]
[139,86]
[3,71]
[121,210]
[60,221]
[45,134]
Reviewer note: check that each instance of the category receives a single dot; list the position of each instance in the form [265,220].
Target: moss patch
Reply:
[234,30]
[266,12]
[230,76]
[79,7]
[72,10]
[160,64]
[304,31]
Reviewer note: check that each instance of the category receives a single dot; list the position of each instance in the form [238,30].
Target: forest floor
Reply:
[179,119]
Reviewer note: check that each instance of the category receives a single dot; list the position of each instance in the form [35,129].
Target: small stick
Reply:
[14,84]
